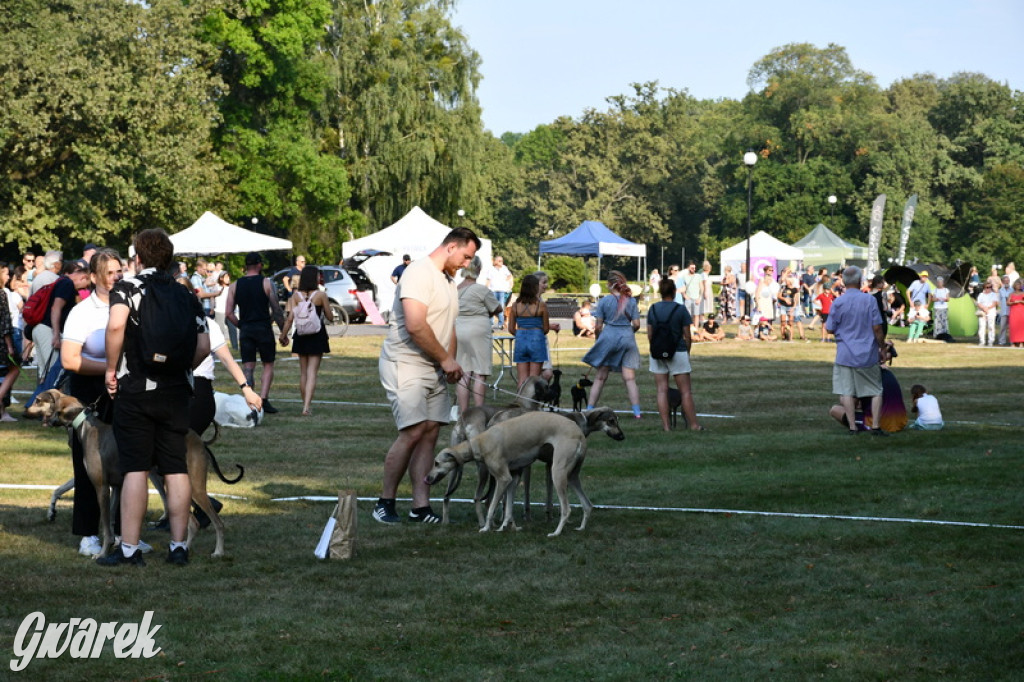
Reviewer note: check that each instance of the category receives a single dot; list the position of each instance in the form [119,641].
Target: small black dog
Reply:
[675,403]
[554,394]
[579,394]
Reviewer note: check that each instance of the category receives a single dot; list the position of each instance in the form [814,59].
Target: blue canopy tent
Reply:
[592,238]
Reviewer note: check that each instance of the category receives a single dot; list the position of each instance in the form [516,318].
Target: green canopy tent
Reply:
[824,248]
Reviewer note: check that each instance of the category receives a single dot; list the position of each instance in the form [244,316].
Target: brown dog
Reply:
[100,448]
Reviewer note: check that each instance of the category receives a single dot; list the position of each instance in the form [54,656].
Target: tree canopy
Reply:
[326,119]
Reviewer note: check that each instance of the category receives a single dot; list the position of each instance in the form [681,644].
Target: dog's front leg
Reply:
[57,494]
[510,496]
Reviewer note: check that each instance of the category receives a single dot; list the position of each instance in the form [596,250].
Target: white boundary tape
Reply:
[697,510]
[686,510]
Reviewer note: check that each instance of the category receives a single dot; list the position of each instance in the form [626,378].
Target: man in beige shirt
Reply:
[417,359]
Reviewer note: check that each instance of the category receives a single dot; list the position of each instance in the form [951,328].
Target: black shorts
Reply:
[150,430]
[259,340]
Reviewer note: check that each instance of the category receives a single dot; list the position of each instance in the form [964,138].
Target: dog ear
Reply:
[67,410]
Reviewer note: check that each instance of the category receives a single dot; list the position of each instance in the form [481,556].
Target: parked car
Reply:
[352,267]
[340,288]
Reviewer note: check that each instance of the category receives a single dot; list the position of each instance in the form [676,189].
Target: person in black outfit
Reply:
[257,307]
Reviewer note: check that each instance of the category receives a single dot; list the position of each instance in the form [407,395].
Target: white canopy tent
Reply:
[764,250]
[416,234]
[212,235]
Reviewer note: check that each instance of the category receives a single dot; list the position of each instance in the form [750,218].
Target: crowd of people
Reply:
[440,333]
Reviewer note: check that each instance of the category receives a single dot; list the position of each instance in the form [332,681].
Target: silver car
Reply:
[341,291]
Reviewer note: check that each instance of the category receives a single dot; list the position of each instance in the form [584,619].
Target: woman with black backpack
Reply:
[669,320]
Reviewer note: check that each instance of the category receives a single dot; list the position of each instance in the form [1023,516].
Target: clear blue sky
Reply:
[548,58]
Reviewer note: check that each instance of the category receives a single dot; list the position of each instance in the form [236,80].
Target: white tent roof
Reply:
[416,234]
[762,245]
[212,235]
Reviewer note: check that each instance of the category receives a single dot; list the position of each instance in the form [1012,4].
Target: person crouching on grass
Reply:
[929,416]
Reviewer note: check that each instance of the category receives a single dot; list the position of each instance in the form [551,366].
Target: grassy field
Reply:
[660,586]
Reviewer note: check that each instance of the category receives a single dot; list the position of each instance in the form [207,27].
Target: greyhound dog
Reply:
[59,492]
[475,421]
[515,443]
[100,460]
[579,393]
[599,419]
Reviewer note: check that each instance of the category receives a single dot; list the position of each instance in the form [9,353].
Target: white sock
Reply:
[176,545]
[128,550]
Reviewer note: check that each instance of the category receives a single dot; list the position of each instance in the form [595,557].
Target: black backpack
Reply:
[166,336]
[663,340]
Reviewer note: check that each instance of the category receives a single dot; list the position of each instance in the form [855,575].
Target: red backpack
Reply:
[35,307]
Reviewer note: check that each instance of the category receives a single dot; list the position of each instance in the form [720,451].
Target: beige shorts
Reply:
[417,392]
[860,382]
[679,364]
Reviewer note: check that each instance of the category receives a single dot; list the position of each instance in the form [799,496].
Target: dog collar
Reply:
[79,419]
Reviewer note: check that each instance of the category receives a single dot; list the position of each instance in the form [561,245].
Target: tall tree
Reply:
[106,120]
[403,108]
[272,140]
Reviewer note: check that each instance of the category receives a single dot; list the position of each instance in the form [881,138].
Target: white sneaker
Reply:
[90,546]
[144,546]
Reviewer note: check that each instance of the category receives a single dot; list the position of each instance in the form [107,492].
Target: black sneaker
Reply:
[878,432]
[423,515]
[384,511]
[268,408]
[117,557]
[163,524]
[178,557]
[201,517]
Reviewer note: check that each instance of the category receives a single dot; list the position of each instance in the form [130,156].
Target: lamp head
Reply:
[750,158]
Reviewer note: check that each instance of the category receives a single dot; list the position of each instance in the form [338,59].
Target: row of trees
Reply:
[327,119]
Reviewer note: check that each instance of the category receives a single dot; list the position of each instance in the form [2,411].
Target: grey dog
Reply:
[514,444]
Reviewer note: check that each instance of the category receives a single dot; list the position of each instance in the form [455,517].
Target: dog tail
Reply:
[220,474]
[214,437]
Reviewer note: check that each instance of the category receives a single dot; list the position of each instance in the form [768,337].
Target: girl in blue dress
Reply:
[616,320]
[528,322]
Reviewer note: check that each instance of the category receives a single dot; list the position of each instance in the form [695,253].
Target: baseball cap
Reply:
[81,265]
[252,258]
[924,273]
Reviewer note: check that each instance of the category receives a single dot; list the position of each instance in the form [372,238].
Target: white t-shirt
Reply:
[928,410]
[991,299]
[205,368]
[87,325]
[497,279]
[14,302]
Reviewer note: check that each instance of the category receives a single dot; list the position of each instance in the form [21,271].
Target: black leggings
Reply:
[203,407]
[85,517]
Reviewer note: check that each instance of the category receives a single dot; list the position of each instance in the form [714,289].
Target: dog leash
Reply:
[467,378]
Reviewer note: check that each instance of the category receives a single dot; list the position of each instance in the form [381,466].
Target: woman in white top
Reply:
[227,329]
[84,356]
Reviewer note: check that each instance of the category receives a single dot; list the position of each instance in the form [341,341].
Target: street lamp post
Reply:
[832,206]
[749,159]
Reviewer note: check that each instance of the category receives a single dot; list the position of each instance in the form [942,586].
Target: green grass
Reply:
[638,595]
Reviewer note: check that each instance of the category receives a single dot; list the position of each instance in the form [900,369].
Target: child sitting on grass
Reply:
[745,332]
[918,318]
[764,330]
[927,408]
